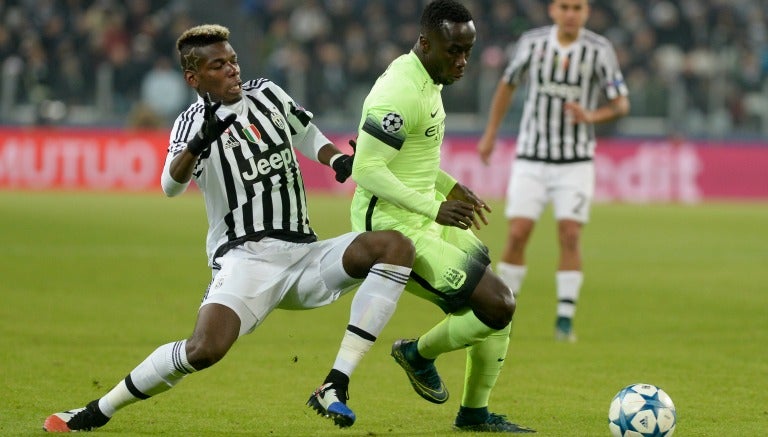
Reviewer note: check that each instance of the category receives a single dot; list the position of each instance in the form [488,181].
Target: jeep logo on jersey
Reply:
[268,163]
[563,90]
[454,277]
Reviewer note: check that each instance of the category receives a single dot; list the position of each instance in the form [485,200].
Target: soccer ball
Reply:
[642,410]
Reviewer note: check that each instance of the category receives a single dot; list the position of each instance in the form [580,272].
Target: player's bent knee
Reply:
[400,249]
[202,355]
[505,311]
[493,319]
[496,310]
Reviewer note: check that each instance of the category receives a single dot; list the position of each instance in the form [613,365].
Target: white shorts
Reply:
[533,184]
[259,276]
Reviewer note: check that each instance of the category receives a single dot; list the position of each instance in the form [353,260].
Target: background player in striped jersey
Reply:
[401,187]
[262,251]
[567,67]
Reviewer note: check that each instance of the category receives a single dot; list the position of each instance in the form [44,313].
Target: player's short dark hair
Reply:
[443,10]
[198,36]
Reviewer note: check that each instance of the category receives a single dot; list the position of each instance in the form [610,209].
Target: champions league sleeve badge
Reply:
[392,122]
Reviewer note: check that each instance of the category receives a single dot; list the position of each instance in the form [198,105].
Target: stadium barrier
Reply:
[628,170]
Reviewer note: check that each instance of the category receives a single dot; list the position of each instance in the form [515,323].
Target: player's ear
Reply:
[191,78]
[423,43]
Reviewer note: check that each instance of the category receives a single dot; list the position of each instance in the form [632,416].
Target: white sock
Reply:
[372,307]
[568,287]
[159,372]
[512,275]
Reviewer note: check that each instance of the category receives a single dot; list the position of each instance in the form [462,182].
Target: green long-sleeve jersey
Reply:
[397,163]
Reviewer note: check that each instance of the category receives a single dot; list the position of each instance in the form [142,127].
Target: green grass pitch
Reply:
[675,296]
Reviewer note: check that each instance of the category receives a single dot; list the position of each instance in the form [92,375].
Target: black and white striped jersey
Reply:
[556,75]
[250,178]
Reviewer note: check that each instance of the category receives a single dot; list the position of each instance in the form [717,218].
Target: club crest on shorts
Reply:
[392,122]
[454,277]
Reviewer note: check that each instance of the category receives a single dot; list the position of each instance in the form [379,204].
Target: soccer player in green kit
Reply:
[400,186]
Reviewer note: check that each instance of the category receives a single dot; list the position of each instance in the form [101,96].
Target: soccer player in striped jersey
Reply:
[401,187]
[567,67]
[263,253]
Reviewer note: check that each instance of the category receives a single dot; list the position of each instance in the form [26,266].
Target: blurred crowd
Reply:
[117,57]
[701,65]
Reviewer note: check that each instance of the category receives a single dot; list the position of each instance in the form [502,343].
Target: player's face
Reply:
[447,51]
[218,73]
[569,15]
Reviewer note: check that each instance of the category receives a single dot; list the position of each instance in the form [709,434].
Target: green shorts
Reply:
[448,266]
[449,261]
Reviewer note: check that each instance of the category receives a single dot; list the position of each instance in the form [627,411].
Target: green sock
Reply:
[484,363]
[457,331]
